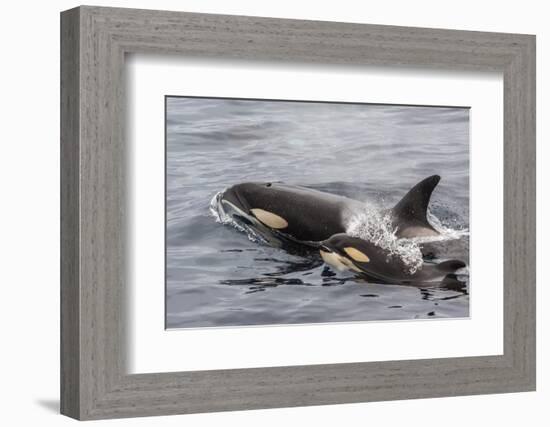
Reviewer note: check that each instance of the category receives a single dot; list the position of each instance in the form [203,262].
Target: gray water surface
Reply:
[217,276]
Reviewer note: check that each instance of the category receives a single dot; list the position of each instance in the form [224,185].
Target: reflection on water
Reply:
[217,276]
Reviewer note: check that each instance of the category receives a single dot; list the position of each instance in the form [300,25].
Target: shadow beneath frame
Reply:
[51,405]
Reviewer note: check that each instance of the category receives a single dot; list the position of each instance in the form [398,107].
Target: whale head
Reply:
[258,201]
[344,252]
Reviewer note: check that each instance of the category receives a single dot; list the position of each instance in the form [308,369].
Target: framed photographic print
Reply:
[342,212]
[300,238]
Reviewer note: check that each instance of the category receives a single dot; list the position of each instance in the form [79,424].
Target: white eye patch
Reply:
[270,219]
[356,254]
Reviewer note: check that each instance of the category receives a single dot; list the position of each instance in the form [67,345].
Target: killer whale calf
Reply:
[343,252]
[309,216]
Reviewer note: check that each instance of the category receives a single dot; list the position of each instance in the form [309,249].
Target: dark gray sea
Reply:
[217,275]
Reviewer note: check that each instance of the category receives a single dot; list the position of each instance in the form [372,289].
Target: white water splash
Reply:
[445,233]
[376,227]
[222,217]
[216,209]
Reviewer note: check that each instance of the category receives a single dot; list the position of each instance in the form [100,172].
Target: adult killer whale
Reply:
[310,216]
[343,252]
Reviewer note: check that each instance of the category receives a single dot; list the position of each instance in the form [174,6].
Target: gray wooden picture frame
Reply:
[94,381]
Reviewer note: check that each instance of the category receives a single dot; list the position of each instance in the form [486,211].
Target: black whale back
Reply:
[312,215]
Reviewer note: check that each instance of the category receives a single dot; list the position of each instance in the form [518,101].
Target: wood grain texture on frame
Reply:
[94,380]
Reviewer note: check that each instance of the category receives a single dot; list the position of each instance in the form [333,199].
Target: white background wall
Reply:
[29,212]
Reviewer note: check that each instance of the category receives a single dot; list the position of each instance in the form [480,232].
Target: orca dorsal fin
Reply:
[410,213]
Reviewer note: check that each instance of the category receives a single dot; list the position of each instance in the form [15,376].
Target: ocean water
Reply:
[217,275]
